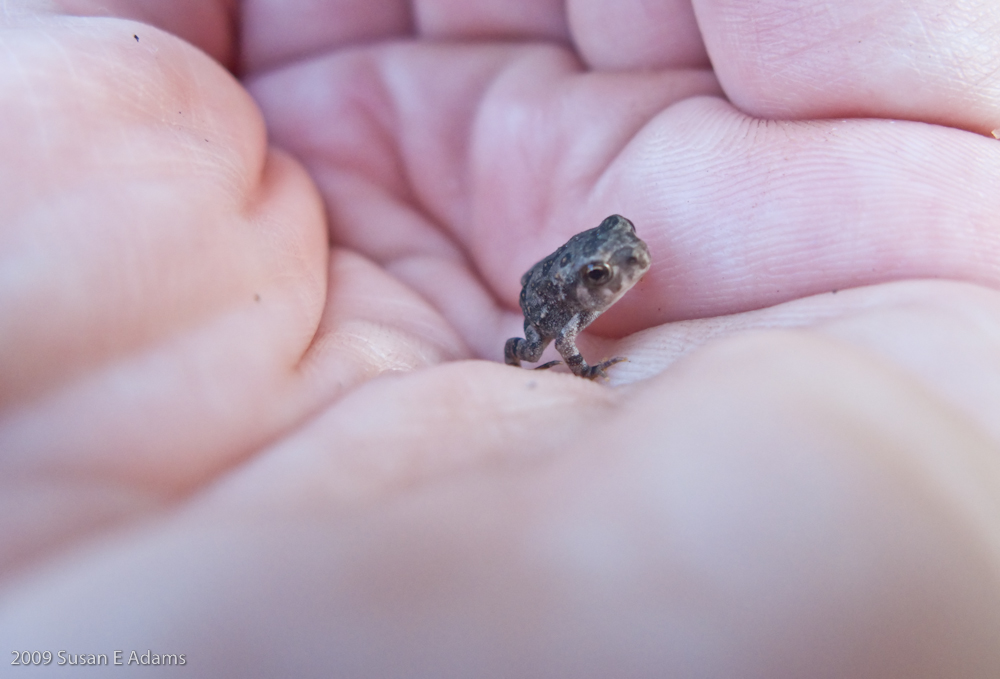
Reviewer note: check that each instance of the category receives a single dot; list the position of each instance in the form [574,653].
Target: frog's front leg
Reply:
[528,349]
[566,346]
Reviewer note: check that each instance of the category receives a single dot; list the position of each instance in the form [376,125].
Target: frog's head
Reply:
[615,259]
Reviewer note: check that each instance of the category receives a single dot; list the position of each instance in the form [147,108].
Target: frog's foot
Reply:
[511,353]
[592,372]
[546,366]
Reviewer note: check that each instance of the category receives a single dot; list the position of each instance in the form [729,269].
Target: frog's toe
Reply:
[546,366]
[600,370]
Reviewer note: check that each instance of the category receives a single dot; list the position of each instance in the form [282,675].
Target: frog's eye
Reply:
[596,273]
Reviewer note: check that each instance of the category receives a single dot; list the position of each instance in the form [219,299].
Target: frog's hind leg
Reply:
[566,345]
[512,351]
[528,349]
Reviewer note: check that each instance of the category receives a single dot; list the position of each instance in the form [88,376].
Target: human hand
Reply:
[223,438]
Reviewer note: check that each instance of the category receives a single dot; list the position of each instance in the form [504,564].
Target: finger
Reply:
[934,60]
[742,214]
[277,32]
[99,268]
[273,32]
[492,19]
[206,24]
[167,295]
[619,35]
[634,34]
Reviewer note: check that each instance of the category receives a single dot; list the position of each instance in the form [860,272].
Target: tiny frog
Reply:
[566,291]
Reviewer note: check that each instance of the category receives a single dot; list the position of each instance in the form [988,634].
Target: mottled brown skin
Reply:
[563,294]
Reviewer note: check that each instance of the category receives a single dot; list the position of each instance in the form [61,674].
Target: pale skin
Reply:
[220,435]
